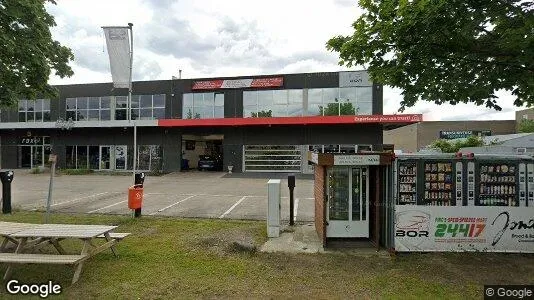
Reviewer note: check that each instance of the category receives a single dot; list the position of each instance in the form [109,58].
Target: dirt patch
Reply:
[229,241]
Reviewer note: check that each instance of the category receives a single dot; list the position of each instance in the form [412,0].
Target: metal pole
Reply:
[131,68]
[50,187]
[135,150]
[130,101]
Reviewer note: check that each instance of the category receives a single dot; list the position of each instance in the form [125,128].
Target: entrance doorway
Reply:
[33,156]
[202,152]
[348,201]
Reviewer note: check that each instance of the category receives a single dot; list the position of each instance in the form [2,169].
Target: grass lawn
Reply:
[194,258]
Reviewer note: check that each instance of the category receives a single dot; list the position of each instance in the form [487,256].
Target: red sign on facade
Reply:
[238,83]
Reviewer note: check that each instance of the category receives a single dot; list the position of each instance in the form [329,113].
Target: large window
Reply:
[203,106]
[144,107]
[272,103]
[148,107]
[340,101]
[34,110]
[89,108]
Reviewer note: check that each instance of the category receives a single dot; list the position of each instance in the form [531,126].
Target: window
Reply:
[34,110]
[149,157]
[340,101]
[525,117]
[147,107]
[89,108]
[272,103]
[203,106]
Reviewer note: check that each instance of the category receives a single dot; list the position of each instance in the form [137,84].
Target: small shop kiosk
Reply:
[426,202]
[351,192]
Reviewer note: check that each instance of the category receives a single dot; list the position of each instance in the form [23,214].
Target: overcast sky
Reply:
[210,38]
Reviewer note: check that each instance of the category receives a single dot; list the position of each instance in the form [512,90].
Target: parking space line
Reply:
[93,211]
[165,208]
[233,206]
[295,209]
[81,198]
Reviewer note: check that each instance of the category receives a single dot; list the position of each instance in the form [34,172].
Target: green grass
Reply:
[74,171]
[192,258]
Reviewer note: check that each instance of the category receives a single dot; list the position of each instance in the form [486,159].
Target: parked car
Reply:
[210,162]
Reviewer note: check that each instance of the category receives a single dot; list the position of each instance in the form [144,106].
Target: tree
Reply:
[447,146]
[262,114]
[28,52]
[337,109]
[526,126]
[445,51]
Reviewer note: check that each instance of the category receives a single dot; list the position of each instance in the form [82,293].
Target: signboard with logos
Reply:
[389,118]
[238,83]
[31,140]
[356,160]
[464,228]
[458,134]
[354,78]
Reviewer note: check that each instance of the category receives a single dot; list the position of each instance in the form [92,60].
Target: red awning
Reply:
[311,120]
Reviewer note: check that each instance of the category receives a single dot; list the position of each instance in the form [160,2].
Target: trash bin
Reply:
[135,196]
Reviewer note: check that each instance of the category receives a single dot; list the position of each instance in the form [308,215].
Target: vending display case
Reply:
[407,182]
[498,183]
[439,186]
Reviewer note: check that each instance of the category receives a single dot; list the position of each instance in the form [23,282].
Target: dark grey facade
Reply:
[17,135]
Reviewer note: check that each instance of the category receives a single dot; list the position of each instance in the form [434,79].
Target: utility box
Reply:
[273,207]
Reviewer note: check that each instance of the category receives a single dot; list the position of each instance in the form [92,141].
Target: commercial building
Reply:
[252,123]
[415,137]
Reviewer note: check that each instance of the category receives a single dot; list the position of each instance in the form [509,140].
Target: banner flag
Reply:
[118,45]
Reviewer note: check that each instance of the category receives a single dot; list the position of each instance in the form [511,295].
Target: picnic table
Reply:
[33,236]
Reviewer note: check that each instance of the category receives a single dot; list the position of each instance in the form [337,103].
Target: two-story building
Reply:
[255,123]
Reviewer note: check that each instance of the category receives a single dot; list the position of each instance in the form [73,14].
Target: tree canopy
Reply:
[28,52]
[447,146]
[526,126]
[445,51]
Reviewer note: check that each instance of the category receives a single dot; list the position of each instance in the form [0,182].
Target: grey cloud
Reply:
[146,70]
[174,37]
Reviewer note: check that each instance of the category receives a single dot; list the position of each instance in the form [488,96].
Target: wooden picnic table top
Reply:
[7,228]
[63,231]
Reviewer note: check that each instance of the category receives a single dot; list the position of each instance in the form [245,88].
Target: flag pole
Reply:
[134,165]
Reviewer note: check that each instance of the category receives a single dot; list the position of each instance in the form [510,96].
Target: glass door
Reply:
[37,156]
[25,157]
[348,203]
[105,158]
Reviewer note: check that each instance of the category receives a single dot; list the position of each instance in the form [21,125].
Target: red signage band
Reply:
[238,83]
[308,120]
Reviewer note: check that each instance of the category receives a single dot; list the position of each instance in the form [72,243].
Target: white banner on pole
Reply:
[464,228]
[118,45]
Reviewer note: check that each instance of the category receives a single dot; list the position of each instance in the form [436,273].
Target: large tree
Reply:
[28,53]
[445,51]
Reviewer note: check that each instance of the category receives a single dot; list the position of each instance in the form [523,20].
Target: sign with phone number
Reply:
[428,228]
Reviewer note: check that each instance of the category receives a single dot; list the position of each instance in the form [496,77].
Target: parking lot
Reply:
[190,194]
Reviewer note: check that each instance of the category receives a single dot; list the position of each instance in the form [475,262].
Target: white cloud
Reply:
[210,38]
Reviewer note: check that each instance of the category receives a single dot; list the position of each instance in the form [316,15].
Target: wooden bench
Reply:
[24,258]
[115,235]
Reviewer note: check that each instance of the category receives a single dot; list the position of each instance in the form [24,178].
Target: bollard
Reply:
[291,185]
[6,177]
[139,180]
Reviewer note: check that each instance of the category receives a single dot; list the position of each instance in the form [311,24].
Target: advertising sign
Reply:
[238,83]
[118,45]
[459,134]
[356,160]
[492,229]
[358,78]
[389,118]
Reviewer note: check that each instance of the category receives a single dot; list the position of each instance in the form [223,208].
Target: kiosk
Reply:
[351,196]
